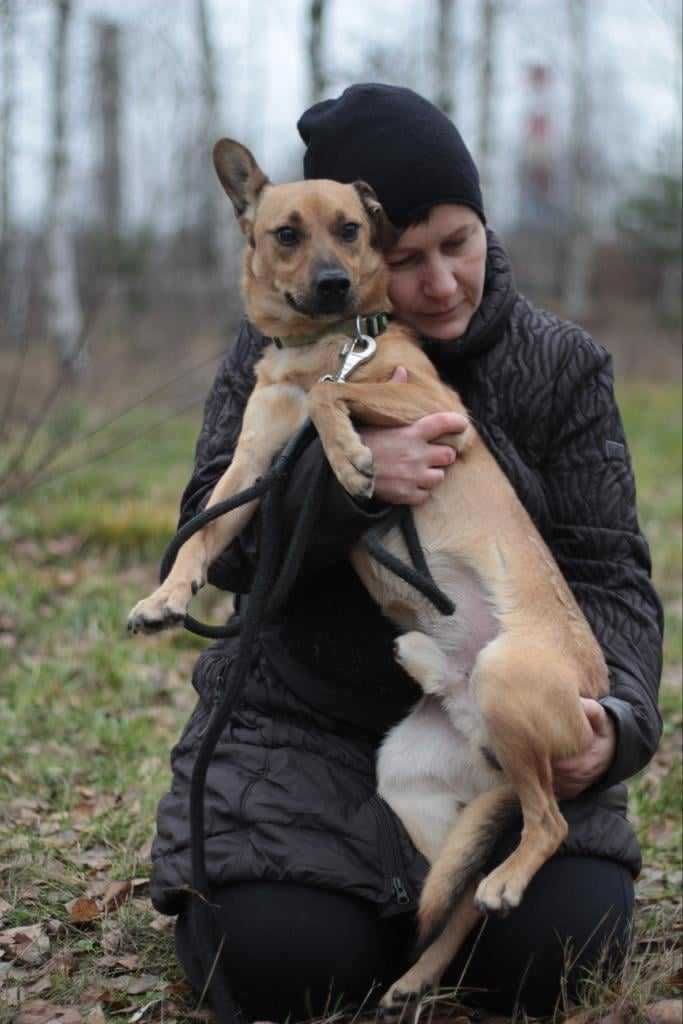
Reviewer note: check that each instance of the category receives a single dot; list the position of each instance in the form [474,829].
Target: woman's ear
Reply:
[383,234]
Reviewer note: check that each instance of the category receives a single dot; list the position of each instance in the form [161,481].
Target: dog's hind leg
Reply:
[271,417]
[426,973]
[532,714]
[423,659]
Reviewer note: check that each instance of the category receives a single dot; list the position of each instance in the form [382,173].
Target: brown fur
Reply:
[529,679]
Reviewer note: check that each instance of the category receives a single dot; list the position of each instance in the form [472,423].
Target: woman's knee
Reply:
[573,924]
[316,948]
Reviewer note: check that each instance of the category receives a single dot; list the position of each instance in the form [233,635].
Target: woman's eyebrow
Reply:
[463,231]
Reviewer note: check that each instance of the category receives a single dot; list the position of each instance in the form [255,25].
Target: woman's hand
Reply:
[409,461]
[572,775]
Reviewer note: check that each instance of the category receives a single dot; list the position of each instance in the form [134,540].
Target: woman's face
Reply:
[437,272]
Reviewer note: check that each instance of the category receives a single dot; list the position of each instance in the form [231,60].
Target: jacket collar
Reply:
[490,319]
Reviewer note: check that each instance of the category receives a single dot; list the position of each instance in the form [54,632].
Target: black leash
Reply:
[272,582]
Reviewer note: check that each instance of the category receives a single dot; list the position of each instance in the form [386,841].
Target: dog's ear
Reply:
[383,234]
[242,179]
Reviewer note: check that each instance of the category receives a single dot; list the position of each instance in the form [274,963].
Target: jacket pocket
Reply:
[399,898]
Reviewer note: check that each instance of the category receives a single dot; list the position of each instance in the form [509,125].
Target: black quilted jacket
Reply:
[291,789]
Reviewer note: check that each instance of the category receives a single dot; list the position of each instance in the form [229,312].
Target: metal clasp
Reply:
[356,351]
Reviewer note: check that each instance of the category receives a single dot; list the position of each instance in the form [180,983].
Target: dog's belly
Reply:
[434,762]
[431,765]
[460,636]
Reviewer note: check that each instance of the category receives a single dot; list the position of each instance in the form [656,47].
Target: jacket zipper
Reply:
[391,854]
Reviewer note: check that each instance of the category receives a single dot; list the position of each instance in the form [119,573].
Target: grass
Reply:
[88,716]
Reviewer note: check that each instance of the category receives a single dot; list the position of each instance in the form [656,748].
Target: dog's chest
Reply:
[300,367]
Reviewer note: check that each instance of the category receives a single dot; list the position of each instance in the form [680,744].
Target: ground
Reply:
[88,716]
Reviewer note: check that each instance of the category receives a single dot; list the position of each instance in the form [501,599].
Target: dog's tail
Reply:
[463,856]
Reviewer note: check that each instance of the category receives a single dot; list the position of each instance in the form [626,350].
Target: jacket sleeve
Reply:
[598,544]
[342,520]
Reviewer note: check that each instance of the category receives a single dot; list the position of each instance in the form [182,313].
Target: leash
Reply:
[272,582]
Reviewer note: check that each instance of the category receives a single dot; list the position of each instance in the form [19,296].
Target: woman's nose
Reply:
[439,281]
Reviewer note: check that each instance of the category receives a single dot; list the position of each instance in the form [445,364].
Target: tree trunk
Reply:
[580,254]
[209,253]
[65,320]
[109,88]
[7,26]
[317,77]
[8,105]
[445,45]
[490,16]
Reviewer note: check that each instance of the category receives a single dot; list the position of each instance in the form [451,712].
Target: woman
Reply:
[316,878]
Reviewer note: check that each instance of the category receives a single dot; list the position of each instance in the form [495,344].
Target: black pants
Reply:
[293,949]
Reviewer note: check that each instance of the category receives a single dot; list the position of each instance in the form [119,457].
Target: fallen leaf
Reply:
[116,893]
[139,1014]
[180,988]
[135,984]
[108,962]
[96,1015]
[112,937]
[39,1011]
[39,986]
[27,944]
[99,858]
[667,1011]
[67,545]
[83,910]
[92,994]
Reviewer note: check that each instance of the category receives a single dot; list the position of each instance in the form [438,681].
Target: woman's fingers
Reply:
[431,427]
[440,455]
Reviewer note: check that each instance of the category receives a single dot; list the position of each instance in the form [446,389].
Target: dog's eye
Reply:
[287,236]
[349,232]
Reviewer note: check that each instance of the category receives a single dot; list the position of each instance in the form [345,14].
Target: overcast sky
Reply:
[260,51]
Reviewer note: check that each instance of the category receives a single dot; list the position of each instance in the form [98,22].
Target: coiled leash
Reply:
[273,579]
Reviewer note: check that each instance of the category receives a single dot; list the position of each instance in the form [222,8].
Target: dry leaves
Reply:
[27,944]
[39,1011]
[103,898]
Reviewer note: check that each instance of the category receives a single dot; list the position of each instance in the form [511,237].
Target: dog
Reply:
[502,678]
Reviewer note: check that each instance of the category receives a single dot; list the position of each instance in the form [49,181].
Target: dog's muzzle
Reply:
[331,291]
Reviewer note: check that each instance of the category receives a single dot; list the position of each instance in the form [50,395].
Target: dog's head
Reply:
[315,247]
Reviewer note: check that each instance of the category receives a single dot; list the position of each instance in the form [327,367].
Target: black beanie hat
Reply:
[402,145]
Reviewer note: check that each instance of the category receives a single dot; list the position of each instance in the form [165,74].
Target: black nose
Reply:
[332,284]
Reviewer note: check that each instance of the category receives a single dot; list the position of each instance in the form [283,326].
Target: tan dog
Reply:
[502,678]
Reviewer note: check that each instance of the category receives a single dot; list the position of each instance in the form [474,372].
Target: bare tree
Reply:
[490,14]
[317,77]
[7,20]
[108,77]
[65,319]
[580,253]
[209,131]
[445,46]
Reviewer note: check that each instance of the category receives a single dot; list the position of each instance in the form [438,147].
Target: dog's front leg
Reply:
[350,460]
[381,404]
[271,417]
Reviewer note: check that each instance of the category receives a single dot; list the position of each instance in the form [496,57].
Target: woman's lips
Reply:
[446,315]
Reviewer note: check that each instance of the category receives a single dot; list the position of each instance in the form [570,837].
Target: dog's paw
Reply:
[354,469]
[163,609]
[398,1001]
[423,660]
[499,893]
